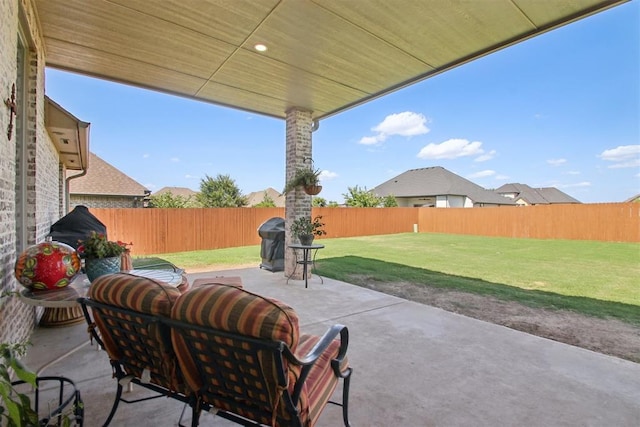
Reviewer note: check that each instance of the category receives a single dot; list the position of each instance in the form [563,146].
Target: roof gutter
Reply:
[83,137]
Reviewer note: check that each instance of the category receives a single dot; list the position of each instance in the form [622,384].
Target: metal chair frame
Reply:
[226,351]
[220,349]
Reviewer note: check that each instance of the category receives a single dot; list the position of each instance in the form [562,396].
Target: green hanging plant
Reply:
[304,177]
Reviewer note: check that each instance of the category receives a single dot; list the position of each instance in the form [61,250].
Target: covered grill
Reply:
[76,225]
[272,249]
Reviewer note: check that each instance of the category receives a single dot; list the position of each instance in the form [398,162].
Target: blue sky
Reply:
[562,109]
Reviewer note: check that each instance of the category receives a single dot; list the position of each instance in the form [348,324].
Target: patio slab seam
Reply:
[355,313]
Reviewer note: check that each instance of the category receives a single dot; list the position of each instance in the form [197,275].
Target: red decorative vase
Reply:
[46,266]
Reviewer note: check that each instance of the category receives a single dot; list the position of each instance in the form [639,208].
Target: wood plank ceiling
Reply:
[323,55]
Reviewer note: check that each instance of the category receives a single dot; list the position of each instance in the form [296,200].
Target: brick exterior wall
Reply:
[298,203]
[104,201]
[44,183]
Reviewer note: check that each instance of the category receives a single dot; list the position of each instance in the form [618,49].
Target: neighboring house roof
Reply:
[536,196]
[437,181]
[105,180]
[258,196]
[635,198]
[176,191]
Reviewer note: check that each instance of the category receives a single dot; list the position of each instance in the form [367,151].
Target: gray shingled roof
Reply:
[105,180]
[258,196]
[176,191]
[437,181]
[536,196]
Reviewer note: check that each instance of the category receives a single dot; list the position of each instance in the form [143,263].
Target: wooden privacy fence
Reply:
[156,231]
[612,222]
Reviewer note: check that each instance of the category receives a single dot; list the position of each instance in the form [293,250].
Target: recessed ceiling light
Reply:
[260,47]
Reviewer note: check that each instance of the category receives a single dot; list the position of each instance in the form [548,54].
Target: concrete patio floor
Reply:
[414,365]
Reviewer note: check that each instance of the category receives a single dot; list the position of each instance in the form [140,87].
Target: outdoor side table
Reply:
[306,260]
[60,305]
[169,277]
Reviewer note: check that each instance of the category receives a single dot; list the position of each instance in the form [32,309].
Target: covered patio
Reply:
[414,365]
[297,60]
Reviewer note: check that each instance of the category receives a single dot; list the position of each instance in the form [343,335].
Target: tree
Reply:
[169,200]
[389,201]
[319,202]
[221,192]
[361,198]
[267,202]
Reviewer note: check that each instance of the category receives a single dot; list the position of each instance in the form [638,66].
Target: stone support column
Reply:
[297,203]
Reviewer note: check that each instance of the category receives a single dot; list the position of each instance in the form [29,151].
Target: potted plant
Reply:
[16,407]
[306,229]
[307,178]
[101,255]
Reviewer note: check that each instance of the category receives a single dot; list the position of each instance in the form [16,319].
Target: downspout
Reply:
[83,135]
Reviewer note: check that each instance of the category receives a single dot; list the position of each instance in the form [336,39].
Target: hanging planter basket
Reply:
[307,179]
[313,189]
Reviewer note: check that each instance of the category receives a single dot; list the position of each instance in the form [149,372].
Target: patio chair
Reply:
[243,354]
[125,311]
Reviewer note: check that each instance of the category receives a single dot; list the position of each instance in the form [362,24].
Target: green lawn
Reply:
[595,278]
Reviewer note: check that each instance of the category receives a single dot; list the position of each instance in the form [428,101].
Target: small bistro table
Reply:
[305,261]
[60,306]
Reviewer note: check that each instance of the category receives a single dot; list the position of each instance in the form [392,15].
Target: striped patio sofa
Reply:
[217,347]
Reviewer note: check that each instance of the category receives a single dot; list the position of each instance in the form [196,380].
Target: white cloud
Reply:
[187,176]
[146,155]
[451,149]
[404,124]
[624,156]
[572,173]
[502,177]
[556,162]
[326,175]
[175,159]
[630,164]
[483,174]
[487,156]
[371,140]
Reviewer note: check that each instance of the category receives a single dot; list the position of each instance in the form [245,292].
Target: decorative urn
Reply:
[47,266]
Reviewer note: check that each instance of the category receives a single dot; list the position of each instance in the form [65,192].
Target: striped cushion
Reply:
[235,310]
[239,311]
[133,292]
[140,346]
[321,381]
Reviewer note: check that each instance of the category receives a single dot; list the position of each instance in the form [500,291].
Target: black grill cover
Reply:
[76,225]
[272,249]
